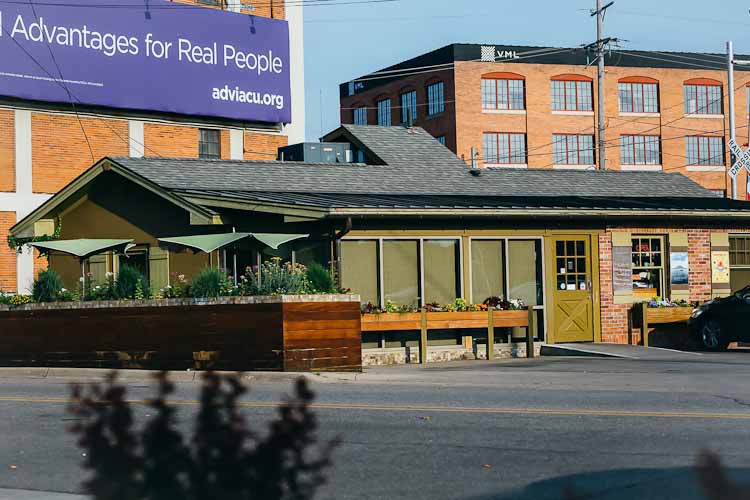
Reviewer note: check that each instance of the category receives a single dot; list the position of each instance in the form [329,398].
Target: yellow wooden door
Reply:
[573,295]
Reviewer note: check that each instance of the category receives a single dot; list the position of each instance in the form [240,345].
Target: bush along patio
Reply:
[276,317]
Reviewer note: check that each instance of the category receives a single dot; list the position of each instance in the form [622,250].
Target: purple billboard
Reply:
[146,55]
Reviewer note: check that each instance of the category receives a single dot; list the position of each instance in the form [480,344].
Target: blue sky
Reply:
[346,41]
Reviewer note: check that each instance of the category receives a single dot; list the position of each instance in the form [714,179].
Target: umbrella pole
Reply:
[234,259]
[83,280]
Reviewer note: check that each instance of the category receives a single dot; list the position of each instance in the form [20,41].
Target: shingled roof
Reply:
[414,164]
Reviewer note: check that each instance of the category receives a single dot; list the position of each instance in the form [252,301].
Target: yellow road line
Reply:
[436,409]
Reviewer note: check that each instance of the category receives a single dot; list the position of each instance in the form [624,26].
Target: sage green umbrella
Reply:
[211,242]
[83,248]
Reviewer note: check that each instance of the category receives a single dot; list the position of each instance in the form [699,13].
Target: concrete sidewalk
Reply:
[6,494]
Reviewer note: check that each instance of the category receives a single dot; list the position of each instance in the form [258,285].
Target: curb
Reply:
[174,376]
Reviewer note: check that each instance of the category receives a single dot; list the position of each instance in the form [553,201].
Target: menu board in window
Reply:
[621,269]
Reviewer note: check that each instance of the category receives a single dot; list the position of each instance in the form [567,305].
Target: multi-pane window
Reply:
[409,106]
[360,116]
[648,266]
[384,112]
[414,271]
[209,144]
[504,148]
[502,94]
[571,95]
[703,150]
[638,97]
[703,99]
[640,150]
[435,99]
[441,139]
[573,149]
[739,261]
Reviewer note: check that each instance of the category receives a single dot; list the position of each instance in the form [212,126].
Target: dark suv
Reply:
[720,321]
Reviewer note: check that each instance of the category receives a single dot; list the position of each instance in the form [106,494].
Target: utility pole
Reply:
[600,43]
[730,91]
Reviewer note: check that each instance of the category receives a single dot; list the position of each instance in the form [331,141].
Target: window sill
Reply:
[436,115]
[506,165]
[645,115]
[704,116]
[572,113]
[705,168]
[504,111]
[574,167]
[641,168]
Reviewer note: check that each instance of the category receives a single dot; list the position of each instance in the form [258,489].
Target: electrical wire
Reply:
[186,6]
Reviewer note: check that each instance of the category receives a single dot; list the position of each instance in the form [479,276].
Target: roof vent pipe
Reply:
[473,158]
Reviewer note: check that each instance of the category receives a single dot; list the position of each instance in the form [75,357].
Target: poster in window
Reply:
[720,266]
[622,272]
[678,264]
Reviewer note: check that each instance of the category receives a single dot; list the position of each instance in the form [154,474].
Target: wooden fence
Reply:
[425,321]
[227,334]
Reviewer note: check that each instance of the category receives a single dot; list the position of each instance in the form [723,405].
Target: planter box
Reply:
[290,332]
[659,315]
[443,320]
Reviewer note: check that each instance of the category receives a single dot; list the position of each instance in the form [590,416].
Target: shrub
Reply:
[47,287]
[211,282]
[276,279]
[321,279]
[222,459]
[128,283]
[14,299]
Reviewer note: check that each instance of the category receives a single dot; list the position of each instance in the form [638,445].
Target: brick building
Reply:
[519,107]
[45,145]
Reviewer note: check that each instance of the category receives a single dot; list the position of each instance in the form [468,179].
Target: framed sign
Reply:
[720,266]
[678,268]
[622,269]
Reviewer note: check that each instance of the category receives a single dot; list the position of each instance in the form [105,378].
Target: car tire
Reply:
[711,337]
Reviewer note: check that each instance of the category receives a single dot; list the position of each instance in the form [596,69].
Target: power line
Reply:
[182,6]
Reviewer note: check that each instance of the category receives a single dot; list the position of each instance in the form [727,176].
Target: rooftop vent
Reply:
[317,152]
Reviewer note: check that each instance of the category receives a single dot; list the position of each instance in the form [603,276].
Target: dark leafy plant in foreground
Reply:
[223,458]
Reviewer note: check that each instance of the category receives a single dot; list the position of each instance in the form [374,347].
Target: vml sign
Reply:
[490,53]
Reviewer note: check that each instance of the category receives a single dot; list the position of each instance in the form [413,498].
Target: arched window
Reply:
[703,96]
[638,94]
[359,115]
[502,90]
[383,104]
[408,98]
[572,93]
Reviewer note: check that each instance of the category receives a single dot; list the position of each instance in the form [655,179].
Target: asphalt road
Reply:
[525,429]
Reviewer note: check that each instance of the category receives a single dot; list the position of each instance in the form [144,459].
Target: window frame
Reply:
[699,163]
[577,80]
[506,80]
[510,150]
[632,85]
[732,254]
[358,113]
[662,268]
[645,162]
[435,98]
[420,239]
[703,87]
[204,146]
[408,105]
[383,112]
[441,139]
[579,149]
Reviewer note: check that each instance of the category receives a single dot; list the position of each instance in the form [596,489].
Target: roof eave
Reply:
[531,212]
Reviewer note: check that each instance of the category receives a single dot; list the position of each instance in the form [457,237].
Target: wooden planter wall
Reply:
[245,333]
[649,318]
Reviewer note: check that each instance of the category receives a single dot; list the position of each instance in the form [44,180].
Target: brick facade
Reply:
[7,152]
[614,317]
[464,120]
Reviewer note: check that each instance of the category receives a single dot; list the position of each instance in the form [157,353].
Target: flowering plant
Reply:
[275,278]
[658,302]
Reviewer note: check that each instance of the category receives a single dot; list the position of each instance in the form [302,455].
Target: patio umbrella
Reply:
[211,242]
[83,248]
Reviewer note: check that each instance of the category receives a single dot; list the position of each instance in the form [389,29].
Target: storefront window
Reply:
[441,261]
[359,269]
[401,271]
[648,266]
[739,262]
[487,269]
[525,271]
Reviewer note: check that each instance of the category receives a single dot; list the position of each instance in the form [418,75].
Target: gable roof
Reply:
[418,176]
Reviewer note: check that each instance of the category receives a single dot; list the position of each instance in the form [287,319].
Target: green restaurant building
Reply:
[413,225]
